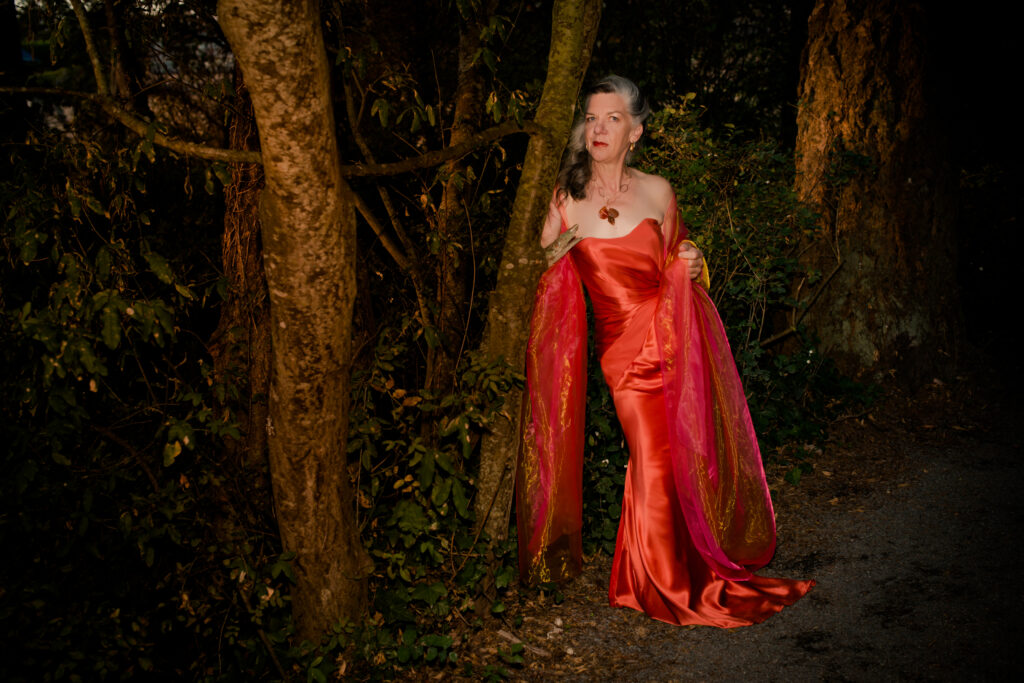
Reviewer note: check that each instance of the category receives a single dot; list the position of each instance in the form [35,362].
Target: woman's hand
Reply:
[693,257]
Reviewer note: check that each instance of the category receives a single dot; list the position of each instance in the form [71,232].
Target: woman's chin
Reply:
[602,154]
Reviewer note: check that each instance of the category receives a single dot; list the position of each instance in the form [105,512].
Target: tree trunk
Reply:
[573,28]
[872,158]
[453,291]
[308,230]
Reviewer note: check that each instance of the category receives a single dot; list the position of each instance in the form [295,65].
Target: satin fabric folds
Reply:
[697,517]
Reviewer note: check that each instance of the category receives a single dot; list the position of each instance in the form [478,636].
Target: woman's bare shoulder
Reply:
[656,187]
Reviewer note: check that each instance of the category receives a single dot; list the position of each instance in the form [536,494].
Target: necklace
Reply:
[606,213]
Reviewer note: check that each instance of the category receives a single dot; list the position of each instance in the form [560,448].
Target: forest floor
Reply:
[910,525]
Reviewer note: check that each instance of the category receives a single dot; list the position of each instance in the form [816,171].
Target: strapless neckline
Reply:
[654,221]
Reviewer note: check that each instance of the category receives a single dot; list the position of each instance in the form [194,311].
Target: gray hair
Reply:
[575,172]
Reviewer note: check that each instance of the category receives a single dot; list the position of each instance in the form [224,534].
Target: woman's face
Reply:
[609,128]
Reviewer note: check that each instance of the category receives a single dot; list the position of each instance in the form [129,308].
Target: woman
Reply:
[696,518]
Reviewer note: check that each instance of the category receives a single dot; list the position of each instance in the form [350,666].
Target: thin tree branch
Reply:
[799,319]
[181,146]
[145,128]
[134,453]
[90,47]
[426,160]
[407,261]
[439,156]
[378,229]
[353,119]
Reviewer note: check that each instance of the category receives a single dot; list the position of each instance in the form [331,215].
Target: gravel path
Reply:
[912,585]
[915,572]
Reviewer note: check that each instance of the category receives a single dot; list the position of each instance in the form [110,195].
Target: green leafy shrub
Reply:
[133,537]
[735,194]
[414,452]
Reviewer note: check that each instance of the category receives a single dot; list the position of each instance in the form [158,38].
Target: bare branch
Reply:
[378,229]
[181,146]
[426,160]
[795,320]
[353,120]
[143,127]
[90,47]
[439,156]
[407,261]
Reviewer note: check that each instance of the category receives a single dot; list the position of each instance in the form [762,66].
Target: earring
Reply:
[632,146]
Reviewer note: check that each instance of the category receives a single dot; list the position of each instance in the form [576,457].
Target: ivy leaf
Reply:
[171,451]
[159,266]
[436,640]
[103,264]
[503,577]
[459,498]
[95,206]
[493,106]
[440,493]
[410,516]
[381,109]
[445,462]
[427,470]
[88,358]
[430,548]
[429,593]
[111,327]
[489,59]
[222,173]
[430,334]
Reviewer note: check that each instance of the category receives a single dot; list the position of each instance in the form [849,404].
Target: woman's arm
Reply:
[552,224]
[555,241]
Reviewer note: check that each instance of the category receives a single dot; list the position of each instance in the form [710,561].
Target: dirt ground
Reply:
[908,523]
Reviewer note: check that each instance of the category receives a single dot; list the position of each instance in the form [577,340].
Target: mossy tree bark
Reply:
[872,158]
[308,232]
[573,29]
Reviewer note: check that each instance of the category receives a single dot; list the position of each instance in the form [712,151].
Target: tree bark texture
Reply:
[452,223]
[241,344]
[872,158]
[573,29]
[308,231]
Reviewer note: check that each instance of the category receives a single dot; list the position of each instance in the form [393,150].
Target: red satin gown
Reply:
[696,513]
[656,568]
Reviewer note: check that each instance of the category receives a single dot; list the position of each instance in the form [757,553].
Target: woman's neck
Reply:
[610,177]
